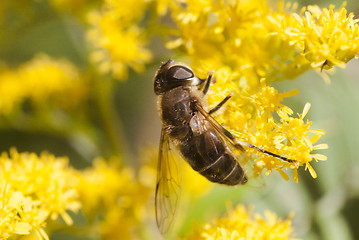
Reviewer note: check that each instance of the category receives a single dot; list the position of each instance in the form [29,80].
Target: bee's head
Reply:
[171,75]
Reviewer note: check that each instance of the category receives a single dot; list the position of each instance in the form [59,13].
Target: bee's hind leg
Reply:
[219,105]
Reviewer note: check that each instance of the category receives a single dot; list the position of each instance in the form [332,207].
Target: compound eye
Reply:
[179,73]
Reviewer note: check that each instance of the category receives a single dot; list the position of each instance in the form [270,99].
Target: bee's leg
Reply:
[219,105]
[208,82]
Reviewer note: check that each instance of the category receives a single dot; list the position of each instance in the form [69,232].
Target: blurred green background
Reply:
[325,208]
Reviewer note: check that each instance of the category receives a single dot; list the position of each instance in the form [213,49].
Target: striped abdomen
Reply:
[209,155]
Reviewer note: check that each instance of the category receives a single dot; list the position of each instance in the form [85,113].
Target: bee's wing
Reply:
[168,186]
[224,132]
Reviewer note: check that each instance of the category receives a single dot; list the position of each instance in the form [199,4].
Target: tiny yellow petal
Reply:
[290,93]
[43,234]
[67,218]
[306,109]
[283,174]
[295,175]
[321,146]
[311,171]
[320,157]
[324,76]
[22,228]
[315,138]
[174,43]
[317,131]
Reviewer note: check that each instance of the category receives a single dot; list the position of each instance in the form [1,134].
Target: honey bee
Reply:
[200,139]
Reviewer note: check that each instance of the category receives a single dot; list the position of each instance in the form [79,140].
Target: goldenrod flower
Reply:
[240,224]
[249,45]
[118,41]
[43,81]
[233,35]
[35,189]
[118,195]
[326,37]
[256,42]
[250,116]
[11,205]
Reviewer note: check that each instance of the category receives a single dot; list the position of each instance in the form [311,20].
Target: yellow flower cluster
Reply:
[34,189]
[231,35]
[43,81]
[118,196]
[118,41]
[12,206]
[240,224]
[255,42]
[325,37]
[249,45]
[250,116]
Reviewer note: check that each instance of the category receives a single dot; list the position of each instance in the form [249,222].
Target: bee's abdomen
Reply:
[225,170]
[208,154]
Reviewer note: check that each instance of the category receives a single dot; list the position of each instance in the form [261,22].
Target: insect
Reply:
[200,139]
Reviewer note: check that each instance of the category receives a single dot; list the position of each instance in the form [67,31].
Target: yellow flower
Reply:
[250,117]
[240,224]
[43,81]
[117,224]
[35,189]
[256,42]
[100,185]
[248,45]
[11,205]
[118,195]
[231,34]
[118,42]
[324,36]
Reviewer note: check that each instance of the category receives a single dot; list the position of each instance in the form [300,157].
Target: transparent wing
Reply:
[224,132]
[168,186]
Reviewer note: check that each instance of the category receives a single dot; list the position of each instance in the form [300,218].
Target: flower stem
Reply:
[112,127]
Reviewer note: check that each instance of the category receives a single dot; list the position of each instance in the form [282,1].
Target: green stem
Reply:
[112,127]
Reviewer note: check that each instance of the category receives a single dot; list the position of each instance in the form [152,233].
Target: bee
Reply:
[200,139]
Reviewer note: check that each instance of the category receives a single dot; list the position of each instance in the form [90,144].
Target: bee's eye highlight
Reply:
[179,73]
